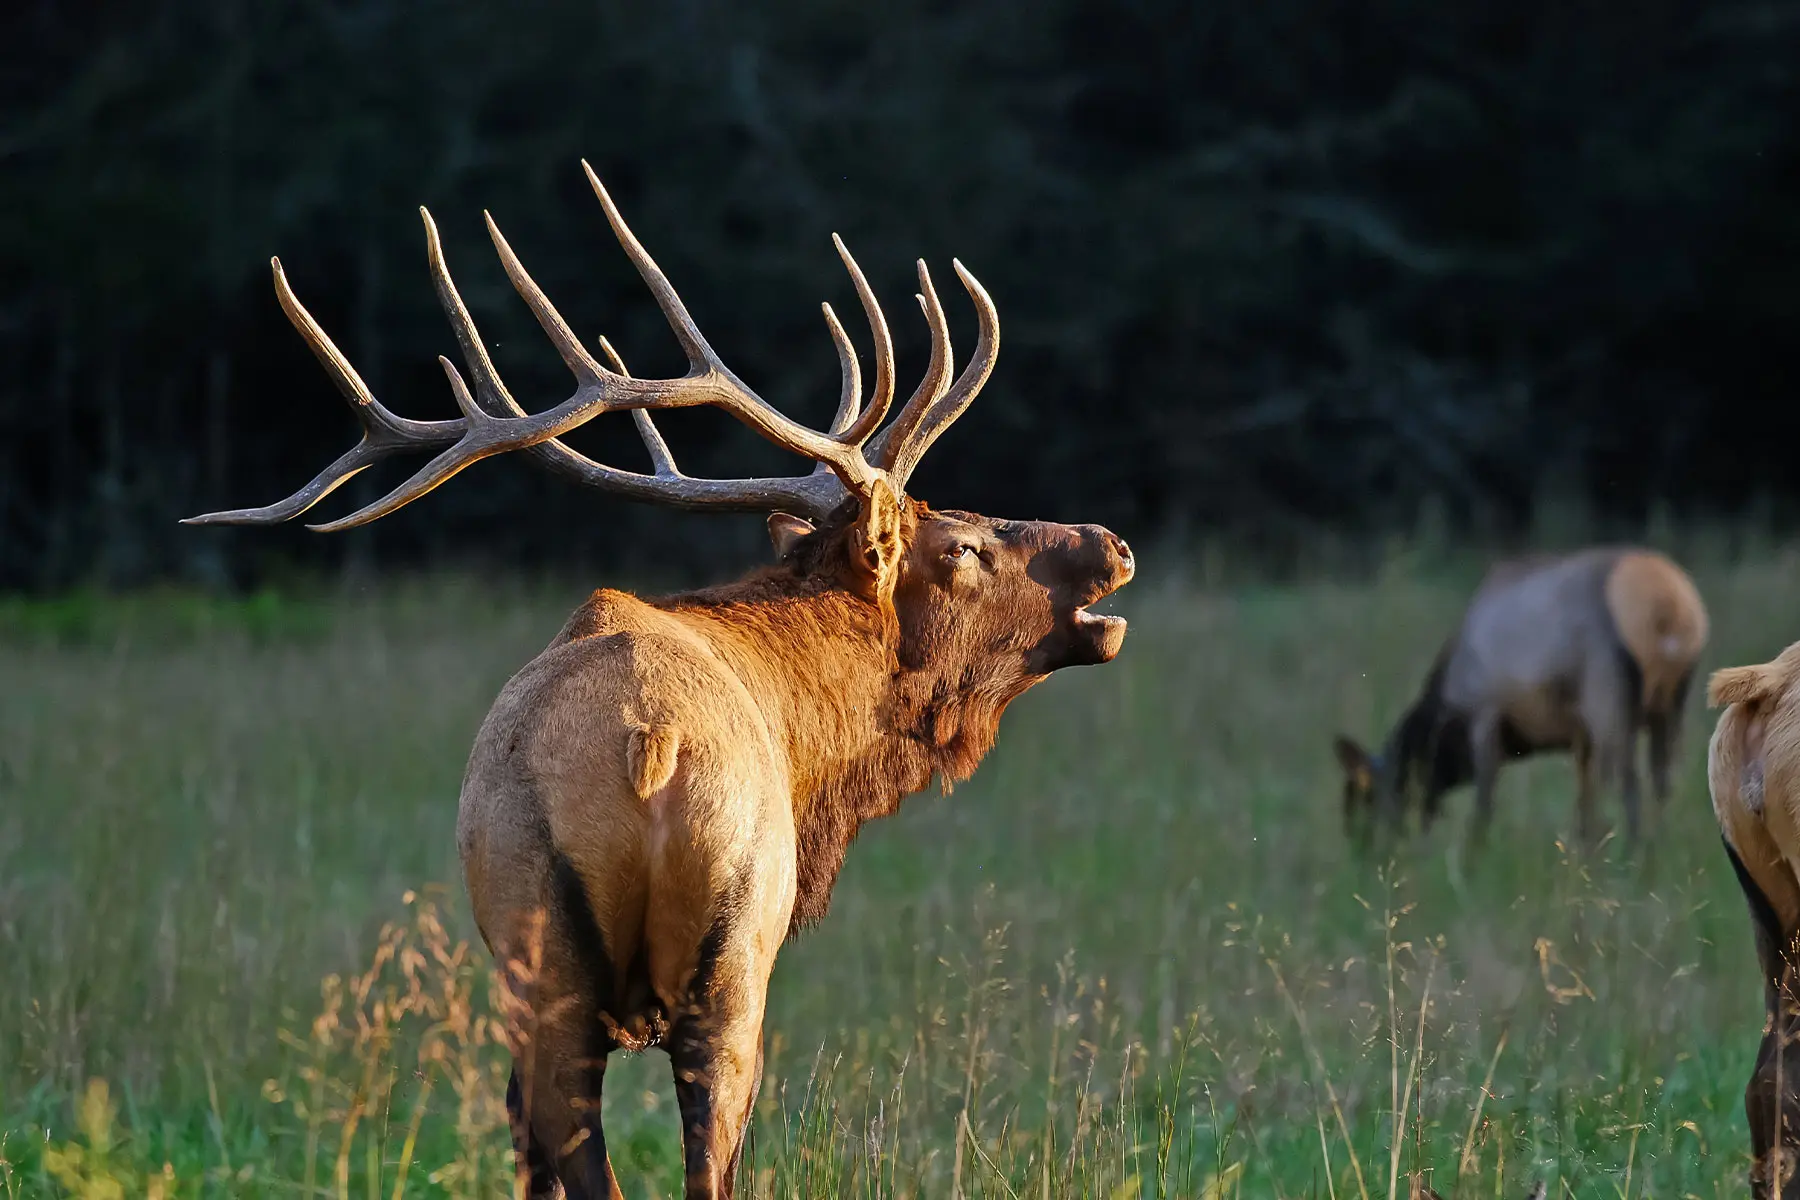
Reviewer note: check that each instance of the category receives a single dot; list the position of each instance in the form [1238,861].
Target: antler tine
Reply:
[888,445]
[849,456]
[490,397]
[883,396]
[850,397]
[951,405]
[660,457]
[579,361]
[487,432]
[490,391]
[709,380]
[384,434]
[693,342]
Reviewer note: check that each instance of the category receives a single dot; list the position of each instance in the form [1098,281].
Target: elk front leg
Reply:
[1484,751]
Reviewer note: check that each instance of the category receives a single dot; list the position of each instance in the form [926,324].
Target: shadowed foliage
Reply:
[1280,265]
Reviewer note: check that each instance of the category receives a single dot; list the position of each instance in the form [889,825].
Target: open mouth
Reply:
[1104,632]
[1084,616]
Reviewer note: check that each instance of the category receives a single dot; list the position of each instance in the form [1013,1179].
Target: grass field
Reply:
[1132,957]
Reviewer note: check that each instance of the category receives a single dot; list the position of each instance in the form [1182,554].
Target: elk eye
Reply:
[959,555]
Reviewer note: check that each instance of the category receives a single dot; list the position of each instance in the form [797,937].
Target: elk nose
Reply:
[1120,549]
[1104,550]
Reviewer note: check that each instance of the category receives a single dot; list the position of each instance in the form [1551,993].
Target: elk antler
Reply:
[493,422]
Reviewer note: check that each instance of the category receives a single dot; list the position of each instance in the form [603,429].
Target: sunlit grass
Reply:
[1132,957]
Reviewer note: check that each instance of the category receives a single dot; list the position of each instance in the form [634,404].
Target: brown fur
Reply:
[1753,771]
[764,722]
[666,793]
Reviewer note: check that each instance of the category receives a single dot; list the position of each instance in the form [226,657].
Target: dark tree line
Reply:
[1280,265]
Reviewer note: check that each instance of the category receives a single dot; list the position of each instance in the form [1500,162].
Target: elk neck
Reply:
[860,730]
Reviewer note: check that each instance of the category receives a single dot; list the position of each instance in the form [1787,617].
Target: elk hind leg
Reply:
[561,983]
[716,1053]
[1772,1096]
[535,1166]
[1664,724]
[1610,713]
[555,1113]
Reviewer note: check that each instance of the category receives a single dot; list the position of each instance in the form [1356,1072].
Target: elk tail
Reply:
[1750,685]
[650,754]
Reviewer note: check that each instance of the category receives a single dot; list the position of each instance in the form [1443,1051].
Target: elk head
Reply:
[1363,774]
[1426,748]
[982,608]
[969,602]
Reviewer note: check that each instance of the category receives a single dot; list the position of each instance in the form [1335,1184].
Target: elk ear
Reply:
[786,530]
[875,542]
[1352,757]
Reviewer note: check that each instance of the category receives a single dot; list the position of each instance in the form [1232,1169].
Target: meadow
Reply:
[1133,957]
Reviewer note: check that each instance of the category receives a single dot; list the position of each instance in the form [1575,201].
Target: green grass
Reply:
[1132,957]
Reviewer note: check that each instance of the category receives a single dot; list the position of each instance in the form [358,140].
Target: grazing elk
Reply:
[1753,771]
[666,794]
[1571,652]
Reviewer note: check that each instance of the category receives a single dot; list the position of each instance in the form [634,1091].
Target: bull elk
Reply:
[666,793]
[1753,771]
[1573,652]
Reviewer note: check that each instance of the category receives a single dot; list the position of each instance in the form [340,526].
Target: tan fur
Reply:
[1753,772]
[1764,681]
[667,792]
[1659,617]
[650,758]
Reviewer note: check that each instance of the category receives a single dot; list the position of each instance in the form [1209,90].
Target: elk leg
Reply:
[1484,751]
[756,1077]
[1586,818]
[715,1050]
[1770,1107]
[1625,751]
[536,1173]
[1772,1101]
[1628,787]
[554,1102]
[1665,735]
[716,1068]
[559,1061]
[1663,728]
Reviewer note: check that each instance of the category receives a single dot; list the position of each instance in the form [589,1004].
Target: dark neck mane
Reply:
[862,726]
[1430,742]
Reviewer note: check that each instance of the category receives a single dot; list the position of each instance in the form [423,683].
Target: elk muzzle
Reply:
[1086,565]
